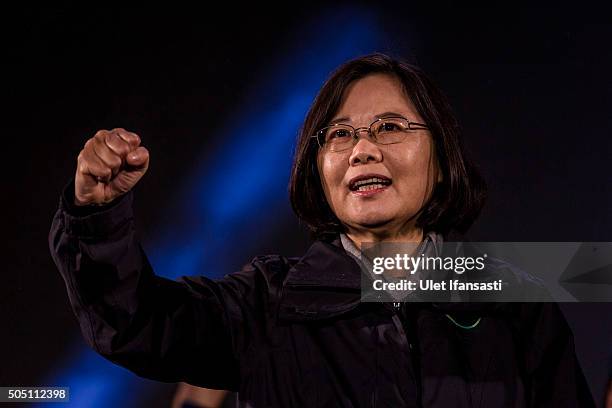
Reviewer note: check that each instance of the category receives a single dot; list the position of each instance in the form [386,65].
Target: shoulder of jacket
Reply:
[273,264]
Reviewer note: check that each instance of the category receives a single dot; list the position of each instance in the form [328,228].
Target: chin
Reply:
[373,221]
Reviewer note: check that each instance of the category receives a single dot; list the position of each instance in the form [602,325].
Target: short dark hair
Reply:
[455,202]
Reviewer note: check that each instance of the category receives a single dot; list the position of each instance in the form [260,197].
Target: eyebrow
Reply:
[379,116]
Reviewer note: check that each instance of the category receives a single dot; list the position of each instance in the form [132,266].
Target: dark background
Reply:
[532,89]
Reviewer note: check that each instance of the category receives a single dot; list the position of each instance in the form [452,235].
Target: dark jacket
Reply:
[289,332]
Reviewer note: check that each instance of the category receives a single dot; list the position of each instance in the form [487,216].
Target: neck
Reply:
[409,235]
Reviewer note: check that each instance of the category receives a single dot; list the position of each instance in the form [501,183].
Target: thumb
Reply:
[138,158]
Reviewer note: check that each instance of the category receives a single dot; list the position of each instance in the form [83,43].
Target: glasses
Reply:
[339,137]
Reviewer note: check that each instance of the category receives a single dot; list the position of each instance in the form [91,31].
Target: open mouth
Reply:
[369,183]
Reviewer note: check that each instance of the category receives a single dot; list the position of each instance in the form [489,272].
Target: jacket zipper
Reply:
[413,351]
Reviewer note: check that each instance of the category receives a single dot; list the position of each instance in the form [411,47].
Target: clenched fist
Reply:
[109,165]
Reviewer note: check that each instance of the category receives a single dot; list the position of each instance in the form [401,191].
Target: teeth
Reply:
[370,187]
[368,181]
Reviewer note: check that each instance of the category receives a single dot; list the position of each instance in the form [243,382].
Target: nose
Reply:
[364,151]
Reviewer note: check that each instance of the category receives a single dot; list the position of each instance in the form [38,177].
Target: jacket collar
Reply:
[324,283]
[328,264]
[325,264]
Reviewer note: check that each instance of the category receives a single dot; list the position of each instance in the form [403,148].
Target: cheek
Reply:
[415,170]
[332,174]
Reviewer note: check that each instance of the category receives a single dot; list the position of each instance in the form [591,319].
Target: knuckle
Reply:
[82,168]
[123,149]
[130,137]
[116,161]
[110,137]
[89,145]
[118,146]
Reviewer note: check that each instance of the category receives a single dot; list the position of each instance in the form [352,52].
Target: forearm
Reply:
[156,327]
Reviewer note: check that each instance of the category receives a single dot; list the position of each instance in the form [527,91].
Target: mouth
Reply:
[369,183]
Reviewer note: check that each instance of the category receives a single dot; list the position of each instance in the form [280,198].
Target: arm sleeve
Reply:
[158,328]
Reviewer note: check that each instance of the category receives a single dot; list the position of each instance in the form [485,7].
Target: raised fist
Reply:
[109,165]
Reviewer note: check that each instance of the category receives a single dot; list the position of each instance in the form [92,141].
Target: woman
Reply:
[378,160]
